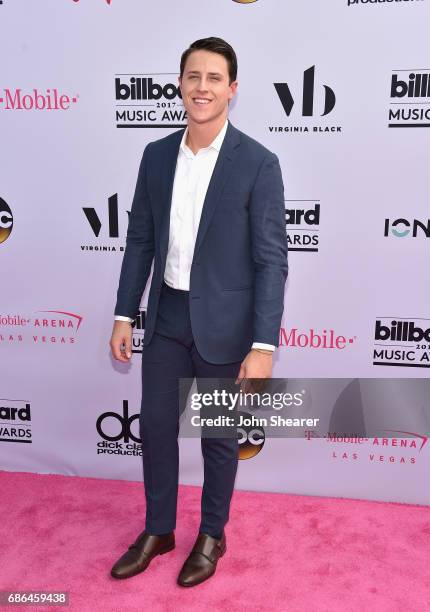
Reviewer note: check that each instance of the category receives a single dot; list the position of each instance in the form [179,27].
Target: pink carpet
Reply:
[284,552]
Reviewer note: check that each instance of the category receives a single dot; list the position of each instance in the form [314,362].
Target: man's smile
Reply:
[201,101]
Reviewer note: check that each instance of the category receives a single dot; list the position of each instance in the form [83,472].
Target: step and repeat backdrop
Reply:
[340,91]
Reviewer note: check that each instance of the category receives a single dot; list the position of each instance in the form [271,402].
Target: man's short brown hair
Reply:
[215,45]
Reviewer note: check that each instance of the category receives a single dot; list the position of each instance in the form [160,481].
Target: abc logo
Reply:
[6,221]
[250,438]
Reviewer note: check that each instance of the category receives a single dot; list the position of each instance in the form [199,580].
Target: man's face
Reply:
[205,86]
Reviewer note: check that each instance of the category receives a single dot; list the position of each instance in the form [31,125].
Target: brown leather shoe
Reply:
[202,561]
[139,555]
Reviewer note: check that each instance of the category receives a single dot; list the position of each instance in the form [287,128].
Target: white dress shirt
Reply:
[192,176]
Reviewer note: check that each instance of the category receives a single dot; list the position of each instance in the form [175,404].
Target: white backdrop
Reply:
[358,175]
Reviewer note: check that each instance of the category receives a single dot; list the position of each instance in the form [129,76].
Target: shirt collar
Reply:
[215,144]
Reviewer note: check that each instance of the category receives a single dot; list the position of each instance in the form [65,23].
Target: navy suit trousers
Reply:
[170,356]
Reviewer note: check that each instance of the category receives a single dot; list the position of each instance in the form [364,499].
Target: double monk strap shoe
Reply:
[139,555]
[202,561]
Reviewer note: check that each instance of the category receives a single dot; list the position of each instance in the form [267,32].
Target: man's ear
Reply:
[233,88]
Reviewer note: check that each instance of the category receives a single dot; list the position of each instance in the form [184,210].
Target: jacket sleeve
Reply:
[269,250]
[139,249]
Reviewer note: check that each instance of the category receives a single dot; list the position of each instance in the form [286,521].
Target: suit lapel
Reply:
[220,175]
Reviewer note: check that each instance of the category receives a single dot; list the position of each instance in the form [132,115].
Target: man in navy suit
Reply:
[209,212]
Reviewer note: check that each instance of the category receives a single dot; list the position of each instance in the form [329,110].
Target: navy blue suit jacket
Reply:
[240,264]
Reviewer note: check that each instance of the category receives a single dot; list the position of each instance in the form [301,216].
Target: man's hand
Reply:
[120,342]
[256,365]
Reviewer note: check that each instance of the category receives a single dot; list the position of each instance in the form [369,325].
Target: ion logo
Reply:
[6,221]
[400,228]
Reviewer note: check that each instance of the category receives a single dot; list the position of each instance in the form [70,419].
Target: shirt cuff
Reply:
[263,345]
[121,318]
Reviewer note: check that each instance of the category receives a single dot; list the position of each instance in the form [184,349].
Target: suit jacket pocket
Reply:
[238,288]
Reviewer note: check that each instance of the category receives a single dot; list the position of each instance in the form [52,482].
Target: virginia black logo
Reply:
[94,219]
[400,228]
[311,97]
[158,99]
[402,342]
[96,225]
[287,99]
[6,221]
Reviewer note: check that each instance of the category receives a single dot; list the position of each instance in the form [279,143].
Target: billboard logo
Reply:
[150,100]
[303,225]
[402,342]
[15,421]
[138,331]
[409,99]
